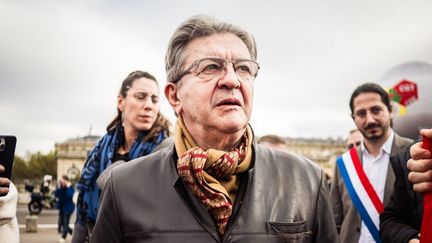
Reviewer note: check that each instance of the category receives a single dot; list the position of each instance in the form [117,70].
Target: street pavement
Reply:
[47,226]
[44,235]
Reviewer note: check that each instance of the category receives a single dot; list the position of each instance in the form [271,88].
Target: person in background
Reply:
[9,231]
[216,184]
[45,189]
[45,185]
[273,141]
[64,194]
[354,139]
[138,129]
[357,220]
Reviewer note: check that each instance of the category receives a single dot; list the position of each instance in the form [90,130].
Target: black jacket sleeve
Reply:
[401,219]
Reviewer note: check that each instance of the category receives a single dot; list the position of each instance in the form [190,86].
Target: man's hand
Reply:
[420,165]
[4,183]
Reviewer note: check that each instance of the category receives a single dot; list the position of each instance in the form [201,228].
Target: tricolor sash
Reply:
[361,191]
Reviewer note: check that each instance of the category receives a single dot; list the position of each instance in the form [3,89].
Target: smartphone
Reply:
[7,153]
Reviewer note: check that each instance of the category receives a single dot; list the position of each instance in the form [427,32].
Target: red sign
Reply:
[407,91]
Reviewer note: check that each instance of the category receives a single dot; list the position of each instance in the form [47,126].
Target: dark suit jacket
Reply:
[348,221]
[402,216]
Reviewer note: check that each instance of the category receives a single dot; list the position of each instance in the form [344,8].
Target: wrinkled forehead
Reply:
[223,45]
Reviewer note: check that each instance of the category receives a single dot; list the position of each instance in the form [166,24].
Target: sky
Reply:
[62,62]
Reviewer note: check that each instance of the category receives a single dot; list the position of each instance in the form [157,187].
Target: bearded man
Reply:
[363,180]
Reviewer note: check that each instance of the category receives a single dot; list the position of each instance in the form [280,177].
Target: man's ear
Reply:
[391,110]
[171,93]
[120,102]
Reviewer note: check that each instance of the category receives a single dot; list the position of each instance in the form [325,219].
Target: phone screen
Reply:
[7,153]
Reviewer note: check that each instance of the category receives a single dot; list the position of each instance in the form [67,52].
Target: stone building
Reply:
[324,152]
[72,154]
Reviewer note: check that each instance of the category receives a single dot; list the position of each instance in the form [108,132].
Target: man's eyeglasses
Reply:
[142,96]
[213,67]
[351,145]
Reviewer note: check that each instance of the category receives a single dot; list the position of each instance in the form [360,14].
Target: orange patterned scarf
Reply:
[211,174]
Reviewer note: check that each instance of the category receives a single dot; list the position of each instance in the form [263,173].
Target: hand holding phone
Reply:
[7,152]
[4,183]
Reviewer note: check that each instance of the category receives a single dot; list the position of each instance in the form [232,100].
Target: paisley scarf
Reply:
[211,174]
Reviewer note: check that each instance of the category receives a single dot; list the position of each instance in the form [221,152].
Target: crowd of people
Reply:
[210,180]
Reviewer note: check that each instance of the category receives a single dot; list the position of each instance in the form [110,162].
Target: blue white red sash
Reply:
[361,191]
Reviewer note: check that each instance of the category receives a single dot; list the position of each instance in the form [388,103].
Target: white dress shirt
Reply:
[375,169]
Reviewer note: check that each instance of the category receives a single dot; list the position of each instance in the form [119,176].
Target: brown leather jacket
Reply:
[284,199]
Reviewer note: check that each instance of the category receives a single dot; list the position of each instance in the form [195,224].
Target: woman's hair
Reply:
[197,27]
[161,123]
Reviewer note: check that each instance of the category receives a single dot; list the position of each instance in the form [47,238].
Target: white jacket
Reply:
[9,231]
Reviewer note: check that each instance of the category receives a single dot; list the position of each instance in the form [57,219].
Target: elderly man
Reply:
[363,179]
[215,184]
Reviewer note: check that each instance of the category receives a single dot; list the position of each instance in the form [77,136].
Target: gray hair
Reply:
[200,26]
